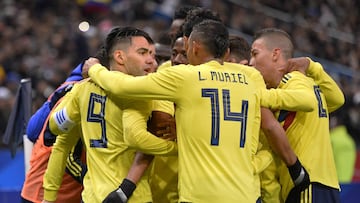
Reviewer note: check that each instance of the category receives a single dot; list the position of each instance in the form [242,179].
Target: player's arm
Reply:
[276,137]
[74,164]
[139,166]
[332,92]
[57,163]
[61,122]
[123,193]
[137,136]
[141,161]
[142,87]
[278,141]
[299,97]
[66,114]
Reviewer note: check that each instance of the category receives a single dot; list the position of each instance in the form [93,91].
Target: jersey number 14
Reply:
[241,117]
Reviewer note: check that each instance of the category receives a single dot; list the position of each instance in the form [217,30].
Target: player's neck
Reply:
[212,58]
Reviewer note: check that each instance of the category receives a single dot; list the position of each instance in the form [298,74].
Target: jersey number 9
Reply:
[97,115]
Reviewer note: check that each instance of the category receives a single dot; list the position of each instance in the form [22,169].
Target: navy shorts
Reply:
[315,193]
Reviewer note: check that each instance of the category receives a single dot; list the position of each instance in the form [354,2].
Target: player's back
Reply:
[309,136]
[108,155]
[218,121]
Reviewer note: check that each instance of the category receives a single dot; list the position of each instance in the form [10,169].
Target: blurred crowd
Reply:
[41,39]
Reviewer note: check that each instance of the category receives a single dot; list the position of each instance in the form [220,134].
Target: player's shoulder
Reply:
[86,83]
[164,65]
[245,69]
[82,82]
[176,69]
[296,76]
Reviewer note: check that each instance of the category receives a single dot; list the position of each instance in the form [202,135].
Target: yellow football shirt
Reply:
[113,129]
[308,135]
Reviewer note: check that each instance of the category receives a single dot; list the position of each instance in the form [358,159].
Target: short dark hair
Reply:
[119,35]
[178,34]
[182,11]
[163,48]
[239,47]
[196,16]
[275,37]
[213,35]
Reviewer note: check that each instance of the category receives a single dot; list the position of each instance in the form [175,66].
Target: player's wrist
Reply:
[50,195]
[122,194]
[295,170]
[299,175]
[127,187]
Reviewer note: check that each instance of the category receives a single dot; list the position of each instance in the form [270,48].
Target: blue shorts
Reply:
[315,193]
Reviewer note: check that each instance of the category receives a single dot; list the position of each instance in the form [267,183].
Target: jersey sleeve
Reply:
[160,85]
[66,114]
[298,96]
[137,136]
[164,106]
[332,92]
[74,165]
[57,163]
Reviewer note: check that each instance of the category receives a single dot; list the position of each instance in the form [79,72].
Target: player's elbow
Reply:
[336,103]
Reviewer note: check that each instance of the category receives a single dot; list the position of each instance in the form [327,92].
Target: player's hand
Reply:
[300,64]
[166,130]
[299,176]
[162,125]
[122,194]
[87,65]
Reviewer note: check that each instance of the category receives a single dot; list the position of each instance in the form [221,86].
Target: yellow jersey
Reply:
[113,129]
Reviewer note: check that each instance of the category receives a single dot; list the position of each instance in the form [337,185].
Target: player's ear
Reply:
[196,46]
[227,55]
[119,56]
[244,62]
[276,54]
[186,42]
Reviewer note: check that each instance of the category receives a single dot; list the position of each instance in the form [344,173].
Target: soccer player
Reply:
[176,27]
[308,132]
[37,131]
[217,114]
[178,20]
[113,128]
[239,50]
[178,52]
[164,177]
[344,147]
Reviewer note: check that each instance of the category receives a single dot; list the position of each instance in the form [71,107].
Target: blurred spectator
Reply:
[6,102]
[344,148]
